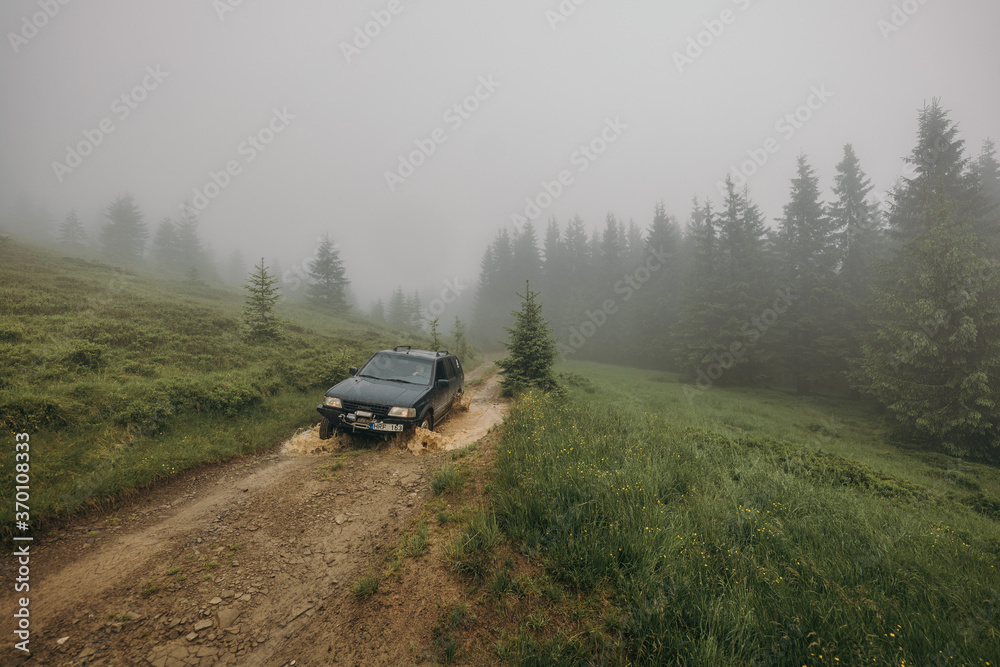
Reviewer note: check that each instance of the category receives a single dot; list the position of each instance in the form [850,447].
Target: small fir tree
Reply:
[435,338]
[328,282]
[259,319]
[461,344]
[531,349]
[71,232]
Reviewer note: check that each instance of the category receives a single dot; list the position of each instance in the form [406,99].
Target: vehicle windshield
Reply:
[397,369]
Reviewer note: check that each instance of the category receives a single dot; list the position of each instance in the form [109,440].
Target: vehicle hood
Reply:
[367,390]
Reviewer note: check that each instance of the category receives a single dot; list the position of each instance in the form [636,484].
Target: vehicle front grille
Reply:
[377,409]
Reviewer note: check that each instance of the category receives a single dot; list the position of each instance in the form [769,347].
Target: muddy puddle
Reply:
[469,420]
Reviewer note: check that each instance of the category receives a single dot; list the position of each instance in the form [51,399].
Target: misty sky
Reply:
[202,77]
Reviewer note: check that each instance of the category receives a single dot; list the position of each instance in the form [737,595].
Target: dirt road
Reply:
[235,564]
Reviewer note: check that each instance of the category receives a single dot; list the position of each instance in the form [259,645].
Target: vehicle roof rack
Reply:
[442,352]
[401,347]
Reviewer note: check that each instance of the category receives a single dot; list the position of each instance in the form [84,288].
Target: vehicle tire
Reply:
[325,429]
[427,422]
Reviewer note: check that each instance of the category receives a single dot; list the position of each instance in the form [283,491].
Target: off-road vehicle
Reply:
[394,390]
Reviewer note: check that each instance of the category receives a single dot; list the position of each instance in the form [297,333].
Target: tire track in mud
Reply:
[225,566]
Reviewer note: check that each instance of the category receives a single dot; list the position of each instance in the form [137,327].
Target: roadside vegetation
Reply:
[121,378]
[742,527]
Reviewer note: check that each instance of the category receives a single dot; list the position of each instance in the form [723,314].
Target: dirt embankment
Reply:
[233,564]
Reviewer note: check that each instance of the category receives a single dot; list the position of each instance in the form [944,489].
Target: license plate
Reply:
[382,426]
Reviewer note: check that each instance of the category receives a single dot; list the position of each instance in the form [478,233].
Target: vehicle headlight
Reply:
[407,413]
[332,402]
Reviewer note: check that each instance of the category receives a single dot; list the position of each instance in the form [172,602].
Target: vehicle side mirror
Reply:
[353,370]
[443,383]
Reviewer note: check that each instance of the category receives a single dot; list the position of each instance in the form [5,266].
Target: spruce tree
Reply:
[986,171]
[854,223]
[531,349]
[165,249]
[259,319]
[807,339]
[435,337]
[327,286]
[236,268]
[123,238]
[71,232]
[397,315]
[934,359]
[188,241]
[378,311]
[461,344]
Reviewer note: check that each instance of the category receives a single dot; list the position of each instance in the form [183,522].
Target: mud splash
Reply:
[471,418]
[306,442]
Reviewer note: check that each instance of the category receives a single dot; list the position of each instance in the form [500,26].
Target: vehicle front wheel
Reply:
[428,422]
[325,429]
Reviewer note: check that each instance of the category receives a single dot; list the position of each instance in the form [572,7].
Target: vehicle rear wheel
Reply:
[428,422]
[325,429]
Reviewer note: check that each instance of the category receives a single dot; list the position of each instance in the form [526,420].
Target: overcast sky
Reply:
[534,83]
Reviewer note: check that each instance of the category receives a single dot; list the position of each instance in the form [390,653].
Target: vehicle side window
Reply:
[440,373]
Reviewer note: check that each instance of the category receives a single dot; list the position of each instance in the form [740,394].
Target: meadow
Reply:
[746,527]
[122,378]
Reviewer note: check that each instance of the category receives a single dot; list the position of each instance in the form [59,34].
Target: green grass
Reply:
[122,378]
[747,528]
[447,479]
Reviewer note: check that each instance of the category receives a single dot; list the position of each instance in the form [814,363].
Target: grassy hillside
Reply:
[744,528]
[121,378]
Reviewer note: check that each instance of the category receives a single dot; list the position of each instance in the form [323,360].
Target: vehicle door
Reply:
[441,395]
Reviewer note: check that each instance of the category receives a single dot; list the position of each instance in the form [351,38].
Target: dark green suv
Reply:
[395,389]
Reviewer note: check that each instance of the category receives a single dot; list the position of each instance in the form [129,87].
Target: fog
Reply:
[281,121]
